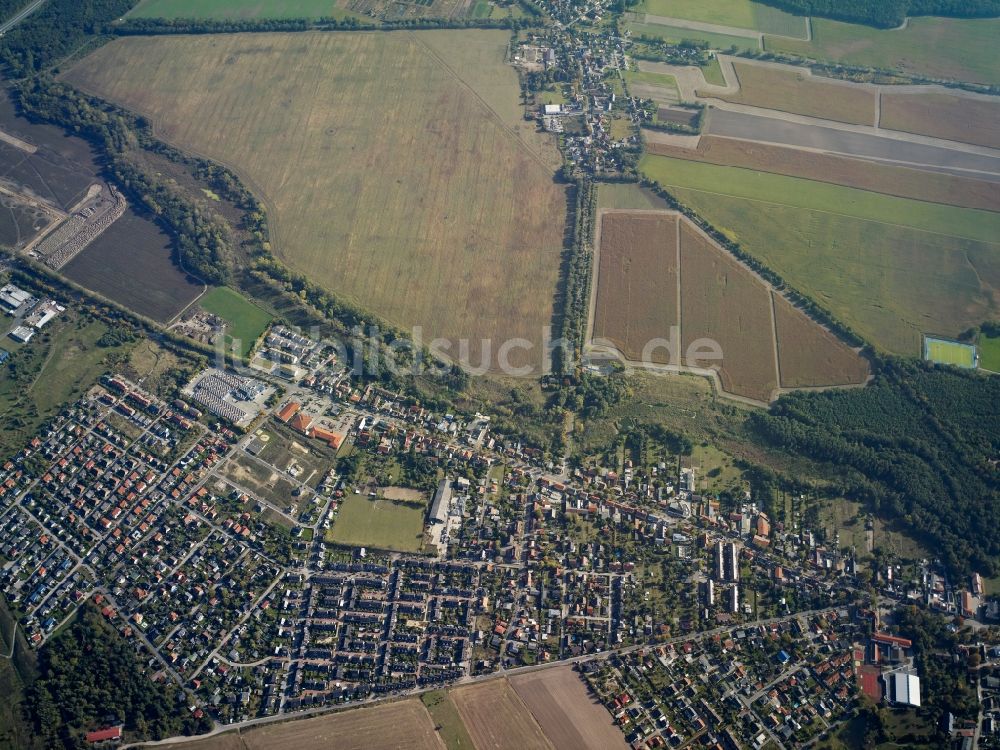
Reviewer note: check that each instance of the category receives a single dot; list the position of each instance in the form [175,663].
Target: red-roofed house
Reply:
[288,411]
[105,736]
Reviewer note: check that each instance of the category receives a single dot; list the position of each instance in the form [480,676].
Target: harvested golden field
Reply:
[800,93]
[954,118]
[404,725]
[810,355]
[497,718]
[569,715]
[935,187]
[723,301]
[637,280]
[396,168]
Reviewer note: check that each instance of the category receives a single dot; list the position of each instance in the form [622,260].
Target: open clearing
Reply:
[955,118]
[246,322]
[643,282]
[396,168]
[796,91]
[659,87]
[404,725]
[57,366]
[132,264]
[903,182]
[742,14]
[850,249]
[497,718]
[957,48]
[570,717]
[378,522]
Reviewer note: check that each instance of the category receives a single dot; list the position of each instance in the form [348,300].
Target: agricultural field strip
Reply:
[810,163]
[917,282]
[822,211]
[862,142]
[801,193]
[711,28]
[596,264]
[691,81]
[567,712]
[713,374]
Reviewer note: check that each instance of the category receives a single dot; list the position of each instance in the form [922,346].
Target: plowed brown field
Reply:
[569,715]
[637,292]
[722,301]
[954,118]
[809,355]
[497,718]
[793,91]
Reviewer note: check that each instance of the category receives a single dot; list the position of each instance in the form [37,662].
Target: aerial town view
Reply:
[500,374]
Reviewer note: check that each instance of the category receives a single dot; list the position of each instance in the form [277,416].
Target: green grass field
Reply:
[651,79]
[397,168]
[945,352]
[57,366]
[364,521]
[713,73]
[743,14]
[246,321]
[217,9]
[960,49]
[446,718]
[641,81]
[678,34]
[890,268]
[989,353]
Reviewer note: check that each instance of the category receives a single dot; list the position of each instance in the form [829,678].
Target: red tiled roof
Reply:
[103,735]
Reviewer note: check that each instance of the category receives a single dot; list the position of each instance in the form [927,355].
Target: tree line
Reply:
[154,26]
[577,262]
[887,14]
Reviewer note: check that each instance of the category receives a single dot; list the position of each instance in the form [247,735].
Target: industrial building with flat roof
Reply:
[903,688]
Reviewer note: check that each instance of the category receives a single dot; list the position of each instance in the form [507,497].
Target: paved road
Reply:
[20,16]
